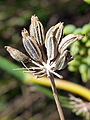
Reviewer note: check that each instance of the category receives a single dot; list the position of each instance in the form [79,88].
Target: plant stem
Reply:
[55,94]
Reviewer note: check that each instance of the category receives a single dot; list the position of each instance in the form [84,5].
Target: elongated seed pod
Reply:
[53,37]
[60,62]
[37,30]
[51,43]
[57,30]
[68,59]
[49,32]
[51,47]
[67,40]
[31,46]
[17,55]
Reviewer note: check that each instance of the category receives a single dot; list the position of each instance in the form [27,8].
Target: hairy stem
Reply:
[55,94]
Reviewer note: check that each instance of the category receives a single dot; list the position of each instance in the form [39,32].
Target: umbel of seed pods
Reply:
[47,52]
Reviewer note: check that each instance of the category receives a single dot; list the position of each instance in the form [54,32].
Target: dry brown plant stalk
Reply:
[47,52]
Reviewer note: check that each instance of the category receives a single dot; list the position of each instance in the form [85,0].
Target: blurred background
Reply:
[20,100]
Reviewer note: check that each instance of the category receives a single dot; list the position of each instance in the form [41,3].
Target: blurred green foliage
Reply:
[69,29]
[87,1]
[81,51]
[16,14]
[9,66]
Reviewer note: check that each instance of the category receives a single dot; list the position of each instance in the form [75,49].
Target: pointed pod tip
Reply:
[61,23]
[7,47]
[34,18]
[61,26]
[80,36]
[24,32]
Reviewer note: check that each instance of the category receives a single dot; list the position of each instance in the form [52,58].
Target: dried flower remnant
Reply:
[46,62]
[56,47]
[80,107]
[17,55]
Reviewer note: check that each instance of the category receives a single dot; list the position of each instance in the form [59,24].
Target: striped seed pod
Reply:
[57,30]
[17,55]
[31,46]
[51,47]
[49,32]
[60,62]
[37,30]
[67,40]
[53,37]
[66,57]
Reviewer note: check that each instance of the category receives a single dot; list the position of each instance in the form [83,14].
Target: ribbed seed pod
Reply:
[65,60]
[67,40]
[57,30]
[31,46]
[51,47]
[17,55]
[37,30]
[51,41]
[49,32]
[60,62]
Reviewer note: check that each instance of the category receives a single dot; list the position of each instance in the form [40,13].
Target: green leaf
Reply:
[8,66]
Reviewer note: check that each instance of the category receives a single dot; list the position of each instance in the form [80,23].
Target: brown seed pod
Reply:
[51,47]
[31,46]
[60,62]
[57,30]
[37,30]
[67,40]
[52,40]
[17,55]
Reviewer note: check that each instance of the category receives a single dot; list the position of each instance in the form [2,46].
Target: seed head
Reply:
[55,57]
